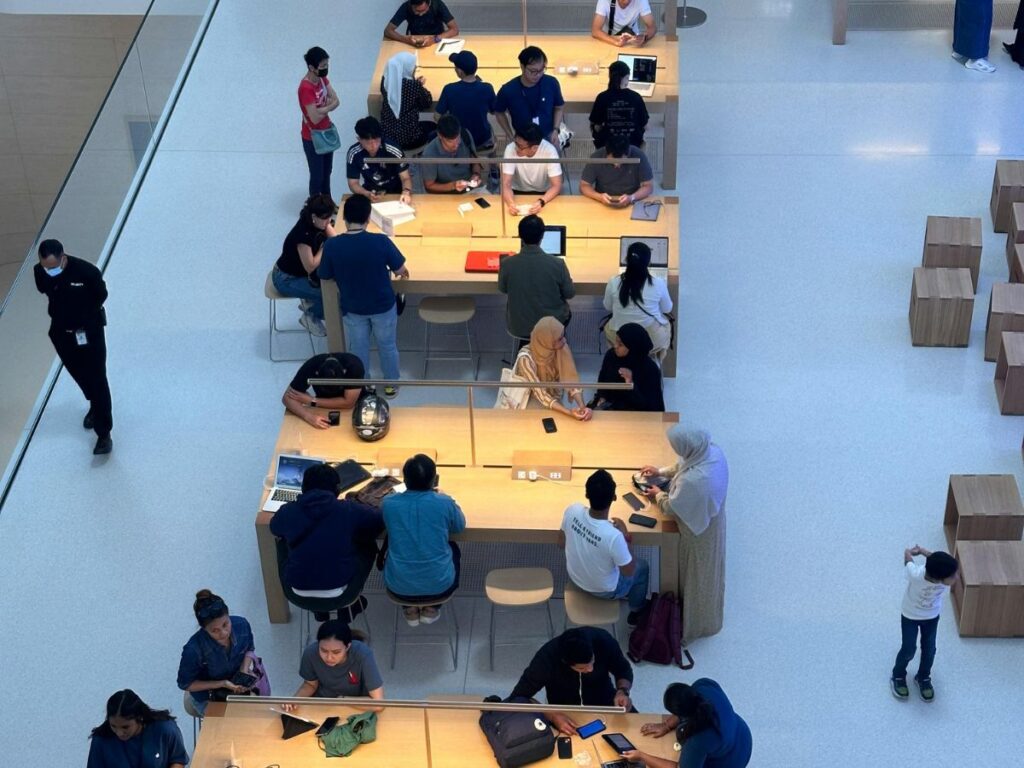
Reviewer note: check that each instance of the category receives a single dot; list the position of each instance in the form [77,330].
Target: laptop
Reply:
[485,261]
[643,71]
[288,480]
[552,242]
[659,253]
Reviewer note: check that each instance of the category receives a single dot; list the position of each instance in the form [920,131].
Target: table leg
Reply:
[670,152]
[277,603]
[668,577]
[332,316]
[839,21]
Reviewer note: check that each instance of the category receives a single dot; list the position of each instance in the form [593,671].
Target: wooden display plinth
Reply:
[1009,378]
[953,241]
[1016,234]
[393,458]
[1005,313]
[1007,189]
[941,304]
[988,595]
[983,507]
[553,465]
[1017,265]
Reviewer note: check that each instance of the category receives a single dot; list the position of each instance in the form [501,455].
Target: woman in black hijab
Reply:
[629,360]
[1016,48]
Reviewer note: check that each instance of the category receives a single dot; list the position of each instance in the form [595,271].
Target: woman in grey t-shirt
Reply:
[336,665]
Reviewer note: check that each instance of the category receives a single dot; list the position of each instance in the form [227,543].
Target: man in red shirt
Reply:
[317,99]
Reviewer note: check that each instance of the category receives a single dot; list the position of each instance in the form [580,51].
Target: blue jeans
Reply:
[384,328]
[910,627]
[633,587]
[299,288]
[320,167]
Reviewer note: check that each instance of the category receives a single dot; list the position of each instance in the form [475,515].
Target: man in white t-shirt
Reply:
[598,554]
[544,179]
[618,22]
[926,586]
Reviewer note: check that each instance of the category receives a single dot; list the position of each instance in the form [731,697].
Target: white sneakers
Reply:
[978,65]
[312,325]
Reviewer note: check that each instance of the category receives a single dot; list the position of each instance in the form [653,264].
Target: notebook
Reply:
[485,261]
[643,70]
[659,253]
[288,480]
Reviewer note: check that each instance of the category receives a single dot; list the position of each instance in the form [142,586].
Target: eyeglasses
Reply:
[535,70]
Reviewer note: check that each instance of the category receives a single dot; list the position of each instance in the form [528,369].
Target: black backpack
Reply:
[517,738]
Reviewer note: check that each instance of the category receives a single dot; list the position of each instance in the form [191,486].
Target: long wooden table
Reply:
[528,512]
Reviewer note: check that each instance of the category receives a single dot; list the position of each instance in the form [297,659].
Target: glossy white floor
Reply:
[807,174]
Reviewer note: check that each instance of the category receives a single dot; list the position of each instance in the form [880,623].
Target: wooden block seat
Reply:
[1017,264]
[1009,378]
[983,507]
[1005,313]
[447,310]
[988,595]
[953,241]
[586,610]
[941,305]
[1007,189]
[1015,236]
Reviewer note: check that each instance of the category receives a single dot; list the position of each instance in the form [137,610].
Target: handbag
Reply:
[262,685]
[512,398]
[372,494]
[326,140]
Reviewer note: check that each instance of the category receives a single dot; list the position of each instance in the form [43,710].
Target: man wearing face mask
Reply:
[76,292]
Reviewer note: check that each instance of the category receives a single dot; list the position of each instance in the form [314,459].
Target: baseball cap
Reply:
[464,60]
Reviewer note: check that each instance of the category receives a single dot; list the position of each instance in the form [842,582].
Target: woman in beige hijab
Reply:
[548,358]
[694,490]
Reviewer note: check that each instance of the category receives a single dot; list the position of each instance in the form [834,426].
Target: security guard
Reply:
[76,292]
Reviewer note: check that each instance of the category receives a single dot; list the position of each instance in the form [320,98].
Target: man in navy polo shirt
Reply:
[533,97]
[427,21]
[470,99]
[376,179]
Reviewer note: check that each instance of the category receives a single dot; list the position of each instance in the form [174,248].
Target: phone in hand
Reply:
[482,202]
[633,501]
[243,680]
[618,742]
[564,748]
[327,725]
[549,425]
[334,418]
[587,730]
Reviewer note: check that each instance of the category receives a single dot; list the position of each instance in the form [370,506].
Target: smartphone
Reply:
[633,501]
[482,202]
[564,748]
[549,425]
[334,418]
[618,742]
[644,520]
[589,729]
[244,680]
[328,724]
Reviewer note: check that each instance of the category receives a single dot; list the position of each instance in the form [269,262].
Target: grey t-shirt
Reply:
[621,180]
[356,676]
[444,172]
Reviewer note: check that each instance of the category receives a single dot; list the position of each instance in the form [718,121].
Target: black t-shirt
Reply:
[352,366]
[619,112]
[374,177]
[430,23]
[302,234]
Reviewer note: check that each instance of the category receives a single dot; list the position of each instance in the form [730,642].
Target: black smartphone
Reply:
[334,418]
[328,724]
[549,425]
[244,680]
[482,203]
[589,729]
[644,520]
[618,742]
[564,748]
[633,501]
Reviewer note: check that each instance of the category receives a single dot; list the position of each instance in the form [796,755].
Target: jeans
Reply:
[384,328]
[634,586]
[320,167]
[910,627]
[299,288]
[420,599]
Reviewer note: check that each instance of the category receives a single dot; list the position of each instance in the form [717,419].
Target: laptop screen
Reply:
[553,241]
[290,470]
[658,246]
[642,69]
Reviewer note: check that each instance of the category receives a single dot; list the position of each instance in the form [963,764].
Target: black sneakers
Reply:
[103,446]
[898,685]
[924,685]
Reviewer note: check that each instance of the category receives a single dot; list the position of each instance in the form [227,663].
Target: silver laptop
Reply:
[288,480]
[643,71]
[659,253]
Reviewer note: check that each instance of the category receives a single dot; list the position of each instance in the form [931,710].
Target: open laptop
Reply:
[485,261]
[553,240]
[288,480]
[659,253]
[643,71]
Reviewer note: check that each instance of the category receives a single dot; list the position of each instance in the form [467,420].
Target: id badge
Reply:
[80,339]
[536,120]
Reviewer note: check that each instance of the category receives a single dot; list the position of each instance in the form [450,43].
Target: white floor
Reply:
[807,174]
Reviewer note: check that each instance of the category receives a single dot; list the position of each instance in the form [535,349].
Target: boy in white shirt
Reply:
[598,554]
[922,602]
[544,179]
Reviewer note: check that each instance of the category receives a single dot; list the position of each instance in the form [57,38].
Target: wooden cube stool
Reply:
[1005,313]
[1007,189]
[583,609]
[1009,379]
[983,507]
[988,595]
[1015,236]
[1017,265]
[953,241]
[941,304]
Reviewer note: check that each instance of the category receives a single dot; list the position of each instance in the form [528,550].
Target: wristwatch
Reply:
[624,690]
[312,403]
[437,38]
[541,201]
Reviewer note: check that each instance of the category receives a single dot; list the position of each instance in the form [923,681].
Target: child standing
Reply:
[922,602]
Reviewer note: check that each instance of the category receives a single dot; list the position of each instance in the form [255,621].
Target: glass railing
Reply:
[93,203]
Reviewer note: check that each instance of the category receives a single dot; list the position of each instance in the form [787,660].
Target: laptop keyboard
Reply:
[282,495]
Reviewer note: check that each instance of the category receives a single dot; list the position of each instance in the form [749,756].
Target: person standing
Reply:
[76,292]
[533,97]
[426,22]
[317,100]
[972,27]
[618,111]
[469,99]
[1016,48]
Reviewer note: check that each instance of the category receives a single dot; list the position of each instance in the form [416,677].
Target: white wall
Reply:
[69,7]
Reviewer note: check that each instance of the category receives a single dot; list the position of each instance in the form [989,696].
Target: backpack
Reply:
[342,739]
[658,636]
[517,738]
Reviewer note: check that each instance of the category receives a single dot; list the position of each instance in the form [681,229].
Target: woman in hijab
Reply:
[404,99]
[629,362]
[1016,48]
[548,358]
[696,489]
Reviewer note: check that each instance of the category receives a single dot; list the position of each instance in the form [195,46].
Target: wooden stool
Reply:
[1005,313]
[1017,265]
[988,595]
[447,310]
[983,507]
[519,588]
[586,610]
[1009,379]
[941,304]
[1007,189]
[953,241]
[1015,236]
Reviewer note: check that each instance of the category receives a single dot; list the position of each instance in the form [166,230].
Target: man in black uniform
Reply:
[76,292]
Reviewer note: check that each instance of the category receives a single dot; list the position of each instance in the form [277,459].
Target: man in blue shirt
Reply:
[427,21]
[533,97]
[376,179]
[361,263]
[470,99]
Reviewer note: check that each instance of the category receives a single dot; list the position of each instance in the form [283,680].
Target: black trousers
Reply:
[87,365]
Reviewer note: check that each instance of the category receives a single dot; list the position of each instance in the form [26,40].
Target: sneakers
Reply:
[312,325]
[103,446]
[412,615]
[898,685]
[924,685]
[390,392]
[634,617]
[305,305]
[429,615]
[978,65]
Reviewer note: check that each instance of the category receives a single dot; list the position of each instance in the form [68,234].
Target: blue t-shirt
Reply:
[203,658]
[361,264]
[728,747]
[419,559]
[524,104]
[158,746]
[471,103]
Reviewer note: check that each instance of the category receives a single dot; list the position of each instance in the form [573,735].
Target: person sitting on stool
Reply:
[338,365]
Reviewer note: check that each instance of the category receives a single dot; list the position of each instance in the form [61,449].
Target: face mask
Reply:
[322,72]
[54,272]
